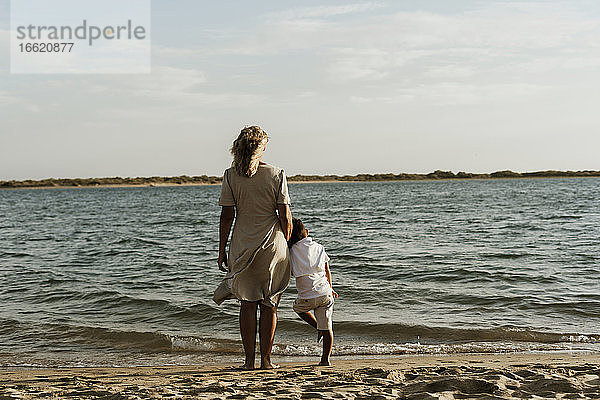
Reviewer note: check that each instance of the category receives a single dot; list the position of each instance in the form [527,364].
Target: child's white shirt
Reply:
[308,260]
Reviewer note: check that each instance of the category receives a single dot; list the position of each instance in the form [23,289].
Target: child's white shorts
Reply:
[323,307]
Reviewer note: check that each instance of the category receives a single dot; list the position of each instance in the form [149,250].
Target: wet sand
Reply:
[474,376]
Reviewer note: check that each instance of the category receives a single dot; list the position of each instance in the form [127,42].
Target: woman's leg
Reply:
[268,323]
[248,331]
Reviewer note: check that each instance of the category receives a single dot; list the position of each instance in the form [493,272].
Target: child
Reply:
[313,281]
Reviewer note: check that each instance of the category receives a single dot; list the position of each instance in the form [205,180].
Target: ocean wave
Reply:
[136,308]
[40,239]
[382,349]
[465,274]
[427,334]
[56,336]
[505,255]
[581,307]
[58,281]
[343,347]
[167,222]
[415,340]
[136,241]
[560,217]
[14,254]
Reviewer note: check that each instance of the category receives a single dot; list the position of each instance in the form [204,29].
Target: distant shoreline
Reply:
[184,180]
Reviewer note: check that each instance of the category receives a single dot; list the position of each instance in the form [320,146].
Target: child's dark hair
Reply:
[298,232]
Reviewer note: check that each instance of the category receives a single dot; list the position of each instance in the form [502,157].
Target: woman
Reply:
[258,268]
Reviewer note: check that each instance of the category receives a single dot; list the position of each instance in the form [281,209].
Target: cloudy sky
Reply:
[341,87]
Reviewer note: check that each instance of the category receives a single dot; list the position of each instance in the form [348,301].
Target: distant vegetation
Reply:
[207,180]
[117,181]
[443,175]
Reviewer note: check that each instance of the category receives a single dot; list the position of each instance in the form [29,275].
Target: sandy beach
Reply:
[474,376]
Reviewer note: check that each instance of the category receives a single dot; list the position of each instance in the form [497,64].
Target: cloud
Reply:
[4,49]
[169,93]
[362,64]
[389,46]
[166,80]
[172,52]
[304,28]
[7,98]
[496,52]
[456,94]
[572,60]
[435,46]
[280,37]
[324,11]
[163,82]
[449,72]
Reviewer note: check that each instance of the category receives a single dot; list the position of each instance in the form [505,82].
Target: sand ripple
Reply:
[486,377]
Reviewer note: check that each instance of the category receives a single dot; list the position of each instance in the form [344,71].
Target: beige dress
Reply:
[259,266]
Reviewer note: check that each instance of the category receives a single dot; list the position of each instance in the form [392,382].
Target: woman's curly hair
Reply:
[247,150]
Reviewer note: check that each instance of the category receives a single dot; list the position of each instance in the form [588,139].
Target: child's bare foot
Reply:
[325,363]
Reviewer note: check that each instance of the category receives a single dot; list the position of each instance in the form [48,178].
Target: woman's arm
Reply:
[225,222]
[285,217]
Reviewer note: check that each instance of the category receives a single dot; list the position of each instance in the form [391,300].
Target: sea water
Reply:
[125,276]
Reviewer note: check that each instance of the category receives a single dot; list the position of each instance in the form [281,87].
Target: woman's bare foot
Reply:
[269,365]
[325,363]
[247,367]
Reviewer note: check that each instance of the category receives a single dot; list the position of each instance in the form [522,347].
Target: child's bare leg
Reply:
[327,345]
[308,317]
